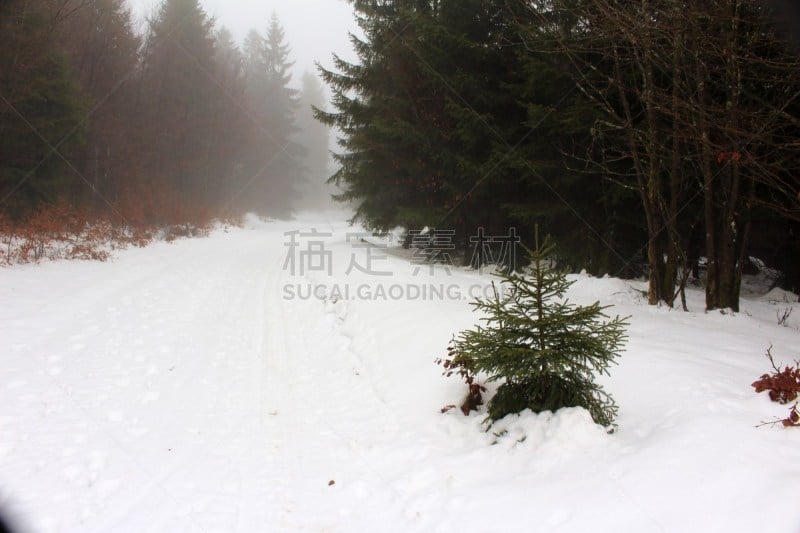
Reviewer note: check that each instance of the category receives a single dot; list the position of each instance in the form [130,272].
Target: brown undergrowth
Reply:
[63,231]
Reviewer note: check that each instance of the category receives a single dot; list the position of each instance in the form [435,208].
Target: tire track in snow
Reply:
[136,383]
[335,415]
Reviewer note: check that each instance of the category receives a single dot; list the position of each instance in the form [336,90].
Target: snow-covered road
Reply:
[173,390]
[180,387]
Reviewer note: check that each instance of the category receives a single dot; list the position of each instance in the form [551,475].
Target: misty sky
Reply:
[314,28]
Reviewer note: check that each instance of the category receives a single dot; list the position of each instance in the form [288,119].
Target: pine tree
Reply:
[103,46]
[230,118]
[41,111]
[272,159]
[179,89]
[589,215]
[449,122]
[545,350]
[388,115]
[315,138]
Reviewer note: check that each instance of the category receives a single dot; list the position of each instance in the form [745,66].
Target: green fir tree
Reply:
[41,112]
[545,350]
[272,158]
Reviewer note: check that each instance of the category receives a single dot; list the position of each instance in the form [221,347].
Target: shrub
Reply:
[543,349]
[783,385]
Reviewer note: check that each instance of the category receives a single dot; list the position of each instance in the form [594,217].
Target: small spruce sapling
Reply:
[544,350]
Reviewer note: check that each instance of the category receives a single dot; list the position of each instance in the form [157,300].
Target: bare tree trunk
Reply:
[654,292]
[676,255]
[654,249]
[728,295]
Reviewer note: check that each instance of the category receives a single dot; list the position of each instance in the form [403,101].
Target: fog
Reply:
[314,28]
[314,31]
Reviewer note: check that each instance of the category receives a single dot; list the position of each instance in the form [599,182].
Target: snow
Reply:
[175,388]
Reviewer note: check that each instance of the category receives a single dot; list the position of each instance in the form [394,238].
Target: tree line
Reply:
[651,137]
[154,127]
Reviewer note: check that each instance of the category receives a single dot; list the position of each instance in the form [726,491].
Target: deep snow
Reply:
[180,388]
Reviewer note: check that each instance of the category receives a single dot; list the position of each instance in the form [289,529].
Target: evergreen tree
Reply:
[590,216]
[450,122]
[272,159]
[384,106]
[40,110]
[230,117]
[103,46]
[180,87]
[545,350]
[468,55]
[315,138]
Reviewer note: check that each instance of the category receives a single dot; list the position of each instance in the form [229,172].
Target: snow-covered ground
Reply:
[193,386]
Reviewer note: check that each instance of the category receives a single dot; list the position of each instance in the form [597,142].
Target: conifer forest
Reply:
[655,138]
